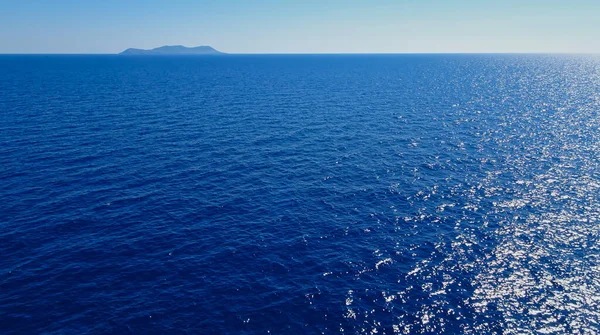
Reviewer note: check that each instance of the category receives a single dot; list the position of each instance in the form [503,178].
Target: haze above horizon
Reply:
[310,26]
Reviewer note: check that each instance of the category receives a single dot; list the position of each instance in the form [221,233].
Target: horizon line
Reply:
[319,53]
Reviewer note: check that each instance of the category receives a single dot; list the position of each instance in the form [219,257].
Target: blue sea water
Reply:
[300,194]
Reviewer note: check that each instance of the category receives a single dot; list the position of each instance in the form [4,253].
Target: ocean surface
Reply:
[300,194]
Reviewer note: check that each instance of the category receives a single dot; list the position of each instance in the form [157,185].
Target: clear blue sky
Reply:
[308,26]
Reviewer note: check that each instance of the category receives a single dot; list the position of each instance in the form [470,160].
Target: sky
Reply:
[307,26]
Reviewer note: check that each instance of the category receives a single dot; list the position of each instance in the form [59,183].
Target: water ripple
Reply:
[399,194]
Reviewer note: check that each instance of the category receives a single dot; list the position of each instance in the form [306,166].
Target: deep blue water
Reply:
[300,194]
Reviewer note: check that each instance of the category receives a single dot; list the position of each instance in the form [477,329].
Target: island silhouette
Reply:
[174,50]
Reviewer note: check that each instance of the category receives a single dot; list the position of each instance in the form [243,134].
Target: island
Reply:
[174,50]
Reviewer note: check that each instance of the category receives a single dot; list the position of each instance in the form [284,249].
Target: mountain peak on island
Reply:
[174,50]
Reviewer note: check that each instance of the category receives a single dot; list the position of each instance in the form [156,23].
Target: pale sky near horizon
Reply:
[308,26]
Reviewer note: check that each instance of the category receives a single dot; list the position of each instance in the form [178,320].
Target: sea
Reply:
[300,194]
